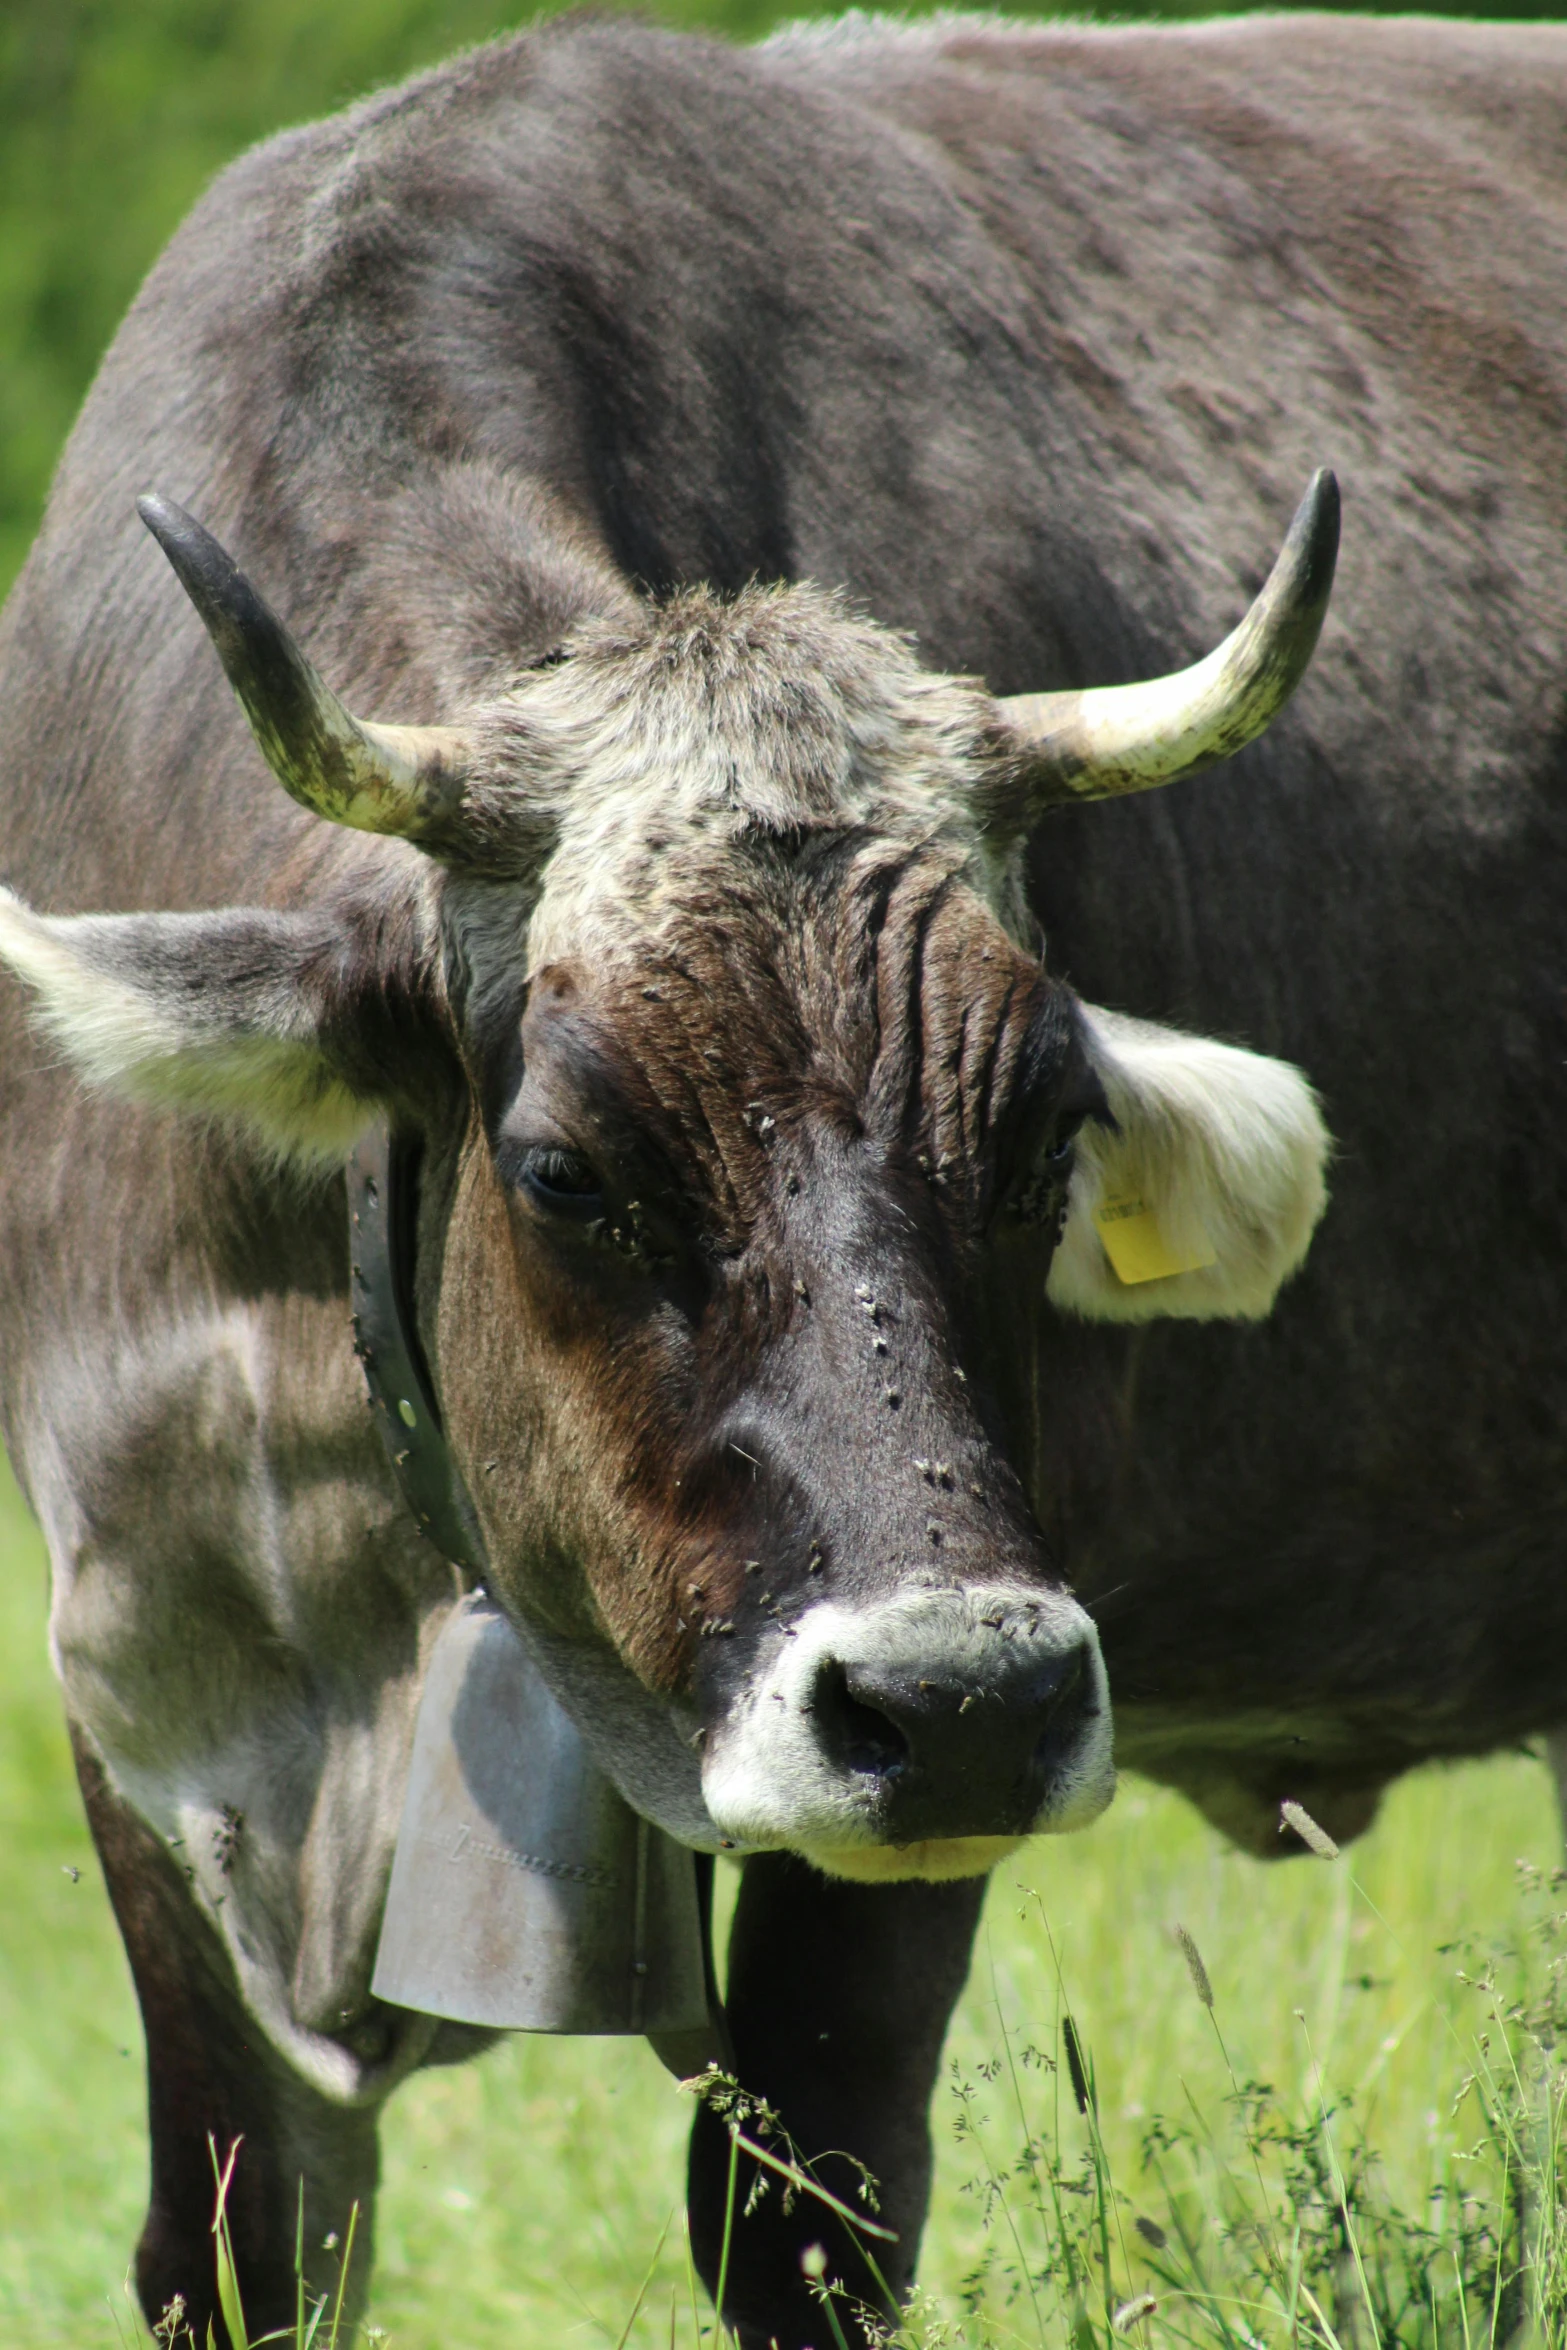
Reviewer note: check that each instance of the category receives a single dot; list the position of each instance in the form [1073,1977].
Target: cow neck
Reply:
[383,1216]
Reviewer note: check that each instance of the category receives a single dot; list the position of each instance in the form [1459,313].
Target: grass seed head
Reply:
[1074,2062]
[171,2326]
[1132,2313]
[1315,1839]
[1194,1966]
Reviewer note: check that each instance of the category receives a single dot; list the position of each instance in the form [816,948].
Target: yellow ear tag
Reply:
[1138,1250]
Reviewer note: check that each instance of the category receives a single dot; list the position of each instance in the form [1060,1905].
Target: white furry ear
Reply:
[205,1013]
[1201,1202]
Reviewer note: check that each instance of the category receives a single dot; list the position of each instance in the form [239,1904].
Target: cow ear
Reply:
[1200,1199]
[275,1023]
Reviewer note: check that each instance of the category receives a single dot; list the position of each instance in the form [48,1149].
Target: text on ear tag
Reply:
[1138,1249]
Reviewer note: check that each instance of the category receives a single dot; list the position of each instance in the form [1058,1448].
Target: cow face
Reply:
[737,1413]
[714,1002]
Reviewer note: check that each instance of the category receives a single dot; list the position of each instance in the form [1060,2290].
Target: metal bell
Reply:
[525,1891]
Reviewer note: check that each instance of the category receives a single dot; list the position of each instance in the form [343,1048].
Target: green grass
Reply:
[524,2195]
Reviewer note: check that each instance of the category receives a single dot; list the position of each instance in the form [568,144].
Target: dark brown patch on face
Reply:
[731,1204]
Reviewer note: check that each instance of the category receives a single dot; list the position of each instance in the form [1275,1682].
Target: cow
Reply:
[757,499]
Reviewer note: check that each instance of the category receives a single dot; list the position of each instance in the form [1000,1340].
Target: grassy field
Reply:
[525,2195]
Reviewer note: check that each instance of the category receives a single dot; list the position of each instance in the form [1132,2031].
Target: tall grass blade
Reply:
[223,2244]
[802,2179]
[642,2289]
[1329,2337]
[342,2274]
[729,2225]
[1031,2164]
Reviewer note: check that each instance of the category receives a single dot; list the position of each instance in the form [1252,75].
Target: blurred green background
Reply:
[114,114]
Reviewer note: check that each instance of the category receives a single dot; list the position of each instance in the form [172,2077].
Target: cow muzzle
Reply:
[921,1736]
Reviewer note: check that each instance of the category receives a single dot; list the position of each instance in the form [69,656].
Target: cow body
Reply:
[1027,340]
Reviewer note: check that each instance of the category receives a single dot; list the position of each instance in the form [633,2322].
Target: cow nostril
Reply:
[856,1736]
[1064,1708]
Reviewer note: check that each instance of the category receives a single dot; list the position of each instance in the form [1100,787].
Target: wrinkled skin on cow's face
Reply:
[728,1408]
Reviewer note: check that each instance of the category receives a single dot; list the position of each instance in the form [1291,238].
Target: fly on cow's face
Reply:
[1040,1198]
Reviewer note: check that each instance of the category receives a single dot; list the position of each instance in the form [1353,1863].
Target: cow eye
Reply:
[1058,1158]
[560,1179]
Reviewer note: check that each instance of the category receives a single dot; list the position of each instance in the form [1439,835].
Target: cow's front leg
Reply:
[211,2075]
[839,1997]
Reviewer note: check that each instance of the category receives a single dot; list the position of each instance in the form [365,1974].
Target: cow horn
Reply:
[395,779]
[1126,738]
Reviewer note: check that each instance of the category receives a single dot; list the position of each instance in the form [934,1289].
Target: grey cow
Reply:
[818,1284]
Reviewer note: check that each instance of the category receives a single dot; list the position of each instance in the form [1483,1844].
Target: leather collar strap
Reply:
[383,1208]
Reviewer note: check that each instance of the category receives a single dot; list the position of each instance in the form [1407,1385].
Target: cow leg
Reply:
[838,1998]
[209,2073]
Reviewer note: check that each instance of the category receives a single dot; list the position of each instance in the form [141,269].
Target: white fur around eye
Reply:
[1226,1147]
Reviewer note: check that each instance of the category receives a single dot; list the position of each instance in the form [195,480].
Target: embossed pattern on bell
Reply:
[525,1892]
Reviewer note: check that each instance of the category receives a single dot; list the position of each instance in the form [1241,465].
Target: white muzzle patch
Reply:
[772,1781]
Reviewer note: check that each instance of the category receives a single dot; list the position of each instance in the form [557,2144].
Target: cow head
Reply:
[746,1097]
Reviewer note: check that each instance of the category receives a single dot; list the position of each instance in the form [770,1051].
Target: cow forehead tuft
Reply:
[706,725]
